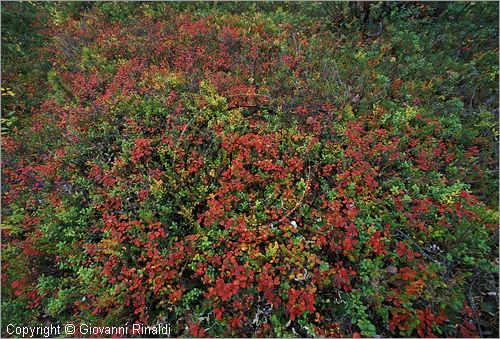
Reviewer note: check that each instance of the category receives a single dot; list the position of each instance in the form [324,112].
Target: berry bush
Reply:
[252,169]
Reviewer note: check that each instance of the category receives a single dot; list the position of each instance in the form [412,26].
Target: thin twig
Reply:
[338,74]
[378,33]
[416,245]
[297,205]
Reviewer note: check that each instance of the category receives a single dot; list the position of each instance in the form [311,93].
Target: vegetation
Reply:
[251,169]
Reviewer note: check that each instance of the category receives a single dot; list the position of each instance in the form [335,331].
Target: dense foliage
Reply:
[317,169]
